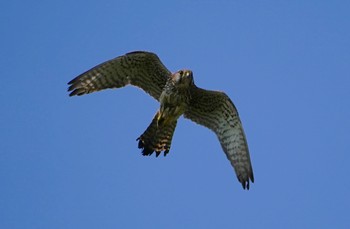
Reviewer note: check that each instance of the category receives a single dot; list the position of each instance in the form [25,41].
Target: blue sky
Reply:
[74,162]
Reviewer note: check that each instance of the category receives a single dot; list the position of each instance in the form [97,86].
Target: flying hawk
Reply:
[178,95]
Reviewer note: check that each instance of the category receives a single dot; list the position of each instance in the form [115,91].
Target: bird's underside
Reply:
[177,95]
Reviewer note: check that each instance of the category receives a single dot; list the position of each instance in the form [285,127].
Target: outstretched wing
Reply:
[141,69]
[216,111]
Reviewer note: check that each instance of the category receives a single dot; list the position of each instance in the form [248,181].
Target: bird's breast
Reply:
[172,105]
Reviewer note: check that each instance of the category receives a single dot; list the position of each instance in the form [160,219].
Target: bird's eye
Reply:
[181,72]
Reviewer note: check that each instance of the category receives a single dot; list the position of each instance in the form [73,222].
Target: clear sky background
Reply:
[74,162]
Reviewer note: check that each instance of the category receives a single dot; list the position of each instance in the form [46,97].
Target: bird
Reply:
[177,95]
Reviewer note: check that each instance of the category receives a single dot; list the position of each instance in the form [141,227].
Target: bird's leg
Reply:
[160,119]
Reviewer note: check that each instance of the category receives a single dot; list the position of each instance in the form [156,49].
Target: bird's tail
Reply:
[157,137]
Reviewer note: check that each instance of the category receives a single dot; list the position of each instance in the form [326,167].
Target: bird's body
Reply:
[178,95]
[175,98]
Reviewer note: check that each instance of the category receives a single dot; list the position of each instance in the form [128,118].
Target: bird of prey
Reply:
[178,95]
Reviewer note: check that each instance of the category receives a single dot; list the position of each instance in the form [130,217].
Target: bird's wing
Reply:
[216,111]
[141,69]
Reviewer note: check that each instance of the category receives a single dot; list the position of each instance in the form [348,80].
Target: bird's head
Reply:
[183,78]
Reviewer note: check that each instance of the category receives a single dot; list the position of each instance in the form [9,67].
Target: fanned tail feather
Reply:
[157,138]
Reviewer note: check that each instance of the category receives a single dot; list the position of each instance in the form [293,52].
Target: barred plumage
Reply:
[178,95]
[157,138]
[141,69]
[216,111]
